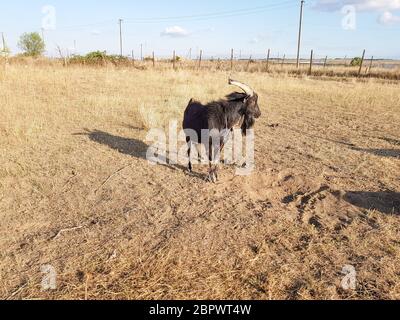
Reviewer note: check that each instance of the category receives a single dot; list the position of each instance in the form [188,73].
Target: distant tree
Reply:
[356,62]
[32,44]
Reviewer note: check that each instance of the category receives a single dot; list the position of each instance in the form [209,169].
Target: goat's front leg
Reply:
[214,159]
[213,173]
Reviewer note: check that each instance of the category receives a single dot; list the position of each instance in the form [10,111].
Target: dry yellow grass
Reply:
[325,192]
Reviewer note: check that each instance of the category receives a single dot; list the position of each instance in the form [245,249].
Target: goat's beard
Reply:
[248,123]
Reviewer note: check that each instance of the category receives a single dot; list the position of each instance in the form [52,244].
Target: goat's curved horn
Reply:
[249,91]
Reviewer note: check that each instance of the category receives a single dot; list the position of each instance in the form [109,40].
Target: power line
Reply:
[225,14]
[101,23]
[199,17]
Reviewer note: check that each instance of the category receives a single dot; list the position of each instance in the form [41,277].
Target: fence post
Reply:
[232,59]
[154,60]
[311,62]
[326,60]
[173,60]
[370,64]
[283,60]
[200,57]
[269,52]
[248,64]
[362,62]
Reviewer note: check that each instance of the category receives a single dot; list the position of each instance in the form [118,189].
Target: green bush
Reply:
[177,59]
[356,62]
[98,58]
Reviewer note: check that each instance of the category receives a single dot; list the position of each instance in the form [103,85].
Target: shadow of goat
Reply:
[128,146]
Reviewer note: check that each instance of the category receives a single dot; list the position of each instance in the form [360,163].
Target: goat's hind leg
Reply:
[189,144]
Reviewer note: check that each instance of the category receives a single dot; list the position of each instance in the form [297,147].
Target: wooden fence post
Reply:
[200,57]
[326,60]
[283,60]
[362,62]
[173,60]
[232,59]
[248,64]
[370,64]
[154,60]
[311,62]
[269,52]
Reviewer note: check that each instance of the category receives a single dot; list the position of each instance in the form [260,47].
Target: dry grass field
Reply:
[77,193]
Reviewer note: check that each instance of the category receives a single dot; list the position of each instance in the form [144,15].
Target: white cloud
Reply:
[175,32]
[387,18]
[360,5]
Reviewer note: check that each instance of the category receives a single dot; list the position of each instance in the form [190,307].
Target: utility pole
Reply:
[300,30]
[120,37]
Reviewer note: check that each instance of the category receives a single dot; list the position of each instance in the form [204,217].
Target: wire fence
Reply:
[313,66]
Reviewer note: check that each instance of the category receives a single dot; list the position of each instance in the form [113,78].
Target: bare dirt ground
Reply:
[77,193]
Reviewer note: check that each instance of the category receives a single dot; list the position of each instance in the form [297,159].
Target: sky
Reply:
[334,28]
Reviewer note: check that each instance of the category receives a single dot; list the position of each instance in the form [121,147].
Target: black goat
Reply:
[219,118]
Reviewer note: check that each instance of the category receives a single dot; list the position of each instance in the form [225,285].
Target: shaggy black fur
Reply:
[222,115]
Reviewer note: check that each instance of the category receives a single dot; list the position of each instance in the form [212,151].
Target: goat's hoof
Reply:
[212,178]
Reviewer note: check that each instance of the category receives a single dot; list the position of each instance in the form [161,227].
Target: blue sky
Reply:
[215,26]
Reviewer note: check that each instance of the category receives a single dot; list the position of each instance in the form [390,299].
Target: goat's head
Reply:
[250,98]
[251,110]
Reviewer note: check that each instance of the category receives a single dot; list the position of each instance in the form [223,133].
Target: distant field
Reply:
[332,68]
[77,193]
